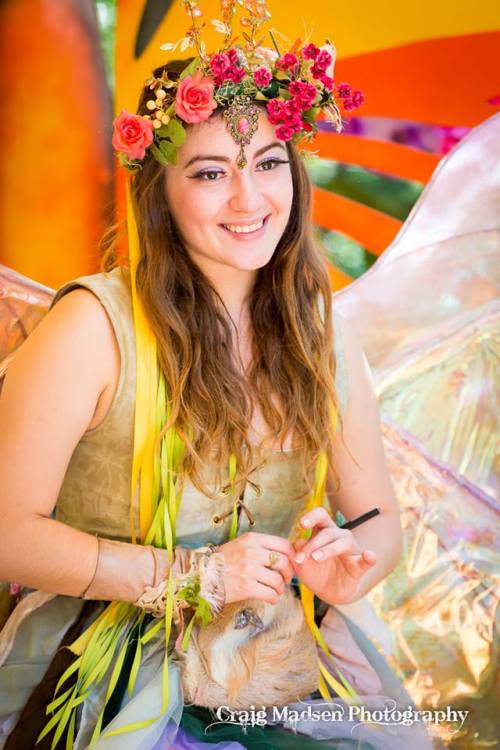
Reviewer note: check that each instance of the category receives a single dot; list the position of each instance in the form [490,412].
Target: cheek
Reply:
[188,210]
[282,192]
[284,195]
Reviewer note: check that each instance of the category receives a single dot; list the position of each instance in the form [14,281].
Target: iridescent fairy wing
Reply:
[23,303]
[428,315]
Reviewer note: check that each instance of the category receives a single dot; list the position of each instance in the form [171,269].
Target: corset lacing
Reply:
[218,519]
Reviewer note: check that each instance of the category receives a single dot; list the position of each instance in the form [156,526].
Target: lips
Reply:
[246,229]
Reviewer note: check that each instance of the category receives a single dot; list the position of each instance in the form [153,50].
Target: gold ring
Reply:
[274,557]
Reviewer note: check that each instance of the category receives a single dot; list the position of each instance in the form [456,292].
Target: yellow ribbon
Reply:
[155,465]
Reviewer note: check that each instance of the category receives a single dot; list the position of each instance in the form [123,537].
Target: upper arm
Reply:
[360,464]
[49,396]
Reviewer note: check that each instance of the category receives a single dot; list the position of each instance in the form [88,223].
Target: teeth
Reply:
[244,230]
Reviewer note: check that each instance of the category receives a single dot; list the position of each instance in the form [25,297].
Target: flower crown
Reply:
[295,84]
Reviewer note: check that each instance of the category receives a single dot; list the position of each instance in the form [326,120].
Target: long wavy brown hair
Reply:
[292,371]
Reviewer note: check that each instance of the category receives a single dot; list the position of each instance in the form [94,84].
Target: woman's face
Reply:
[229,216]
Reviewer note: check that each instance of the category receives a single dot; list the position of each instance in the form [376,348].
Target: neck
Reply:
[234,287]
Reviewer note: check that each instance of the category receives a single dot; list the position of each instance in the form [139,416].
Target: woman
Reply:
[230,281]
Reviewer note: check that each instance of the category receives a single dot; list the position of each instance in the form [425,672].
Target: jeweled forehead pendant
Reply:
[242,118]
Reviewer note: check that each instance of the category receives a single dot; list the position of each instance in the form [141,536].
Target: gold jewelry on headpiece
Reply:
[295,85]
[242,118]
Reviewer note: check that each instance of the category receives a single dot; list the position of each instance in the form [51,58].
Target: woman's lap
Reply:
[39,638]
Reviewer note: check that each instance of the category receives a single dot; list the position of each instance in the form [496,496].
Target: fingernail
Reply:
[318,555]
[300,558]
[305,522]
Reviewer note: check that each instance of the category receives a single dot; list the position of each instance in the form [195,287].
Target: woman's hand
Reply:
[248,575]
[331,562]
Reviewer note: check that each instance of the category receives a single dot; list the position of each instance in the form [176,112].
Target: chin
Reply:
[250,264]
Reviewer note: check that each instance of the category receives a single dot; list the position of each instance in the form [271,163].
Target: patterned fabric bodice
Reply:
[95,494]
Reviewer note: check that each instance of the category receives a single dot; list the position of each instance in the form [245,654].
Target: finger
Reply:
[266,593]
[316,517]
[271,578]
[269,541]
[347,545]
[299,544]
[324,539]
[357,565]
[282,565]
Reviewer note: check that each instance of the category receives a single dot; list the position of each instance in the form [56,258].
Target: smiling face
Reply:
[230,218]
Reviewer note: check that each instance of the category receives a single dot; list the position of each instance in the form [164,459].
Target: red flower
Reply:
[289,113]
[321,64]
[262,77]
[354,101]
[327,82]
[219,64]
[275,110]
[233,56]
[224,67]
[234,74]
[132,134]
[344,90]
[293,110]
[286,132]
[358,98]
[323,59]
[304,93]
[310,52]
[287,62]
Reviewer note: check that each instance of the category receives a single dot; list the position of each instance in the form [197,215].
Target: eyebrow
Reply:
[225,159]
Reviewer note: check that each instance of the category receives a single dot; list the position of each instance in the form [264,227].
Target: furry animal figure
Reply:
[253,652]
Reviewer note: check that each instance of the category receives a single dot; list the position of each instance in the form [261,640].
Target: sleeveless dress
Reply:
[95,497]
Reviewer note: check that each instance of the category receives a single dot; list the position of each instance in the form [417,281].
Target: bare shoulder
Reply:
[104,353]
[71,354]
[51,390]
[87,332]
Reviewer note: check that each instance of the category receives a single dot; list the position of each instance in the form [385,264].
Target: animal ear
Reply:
[241,670]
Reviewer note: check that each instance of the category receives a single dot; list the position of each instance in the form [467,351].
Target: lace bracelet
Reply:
[198,584]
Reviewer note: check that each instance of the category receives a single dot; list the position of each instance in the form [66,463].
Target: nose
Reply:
[246,196]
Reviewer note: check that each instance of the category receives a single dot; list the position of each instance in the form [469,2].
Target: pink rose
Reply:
[194,101]
[132,134]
